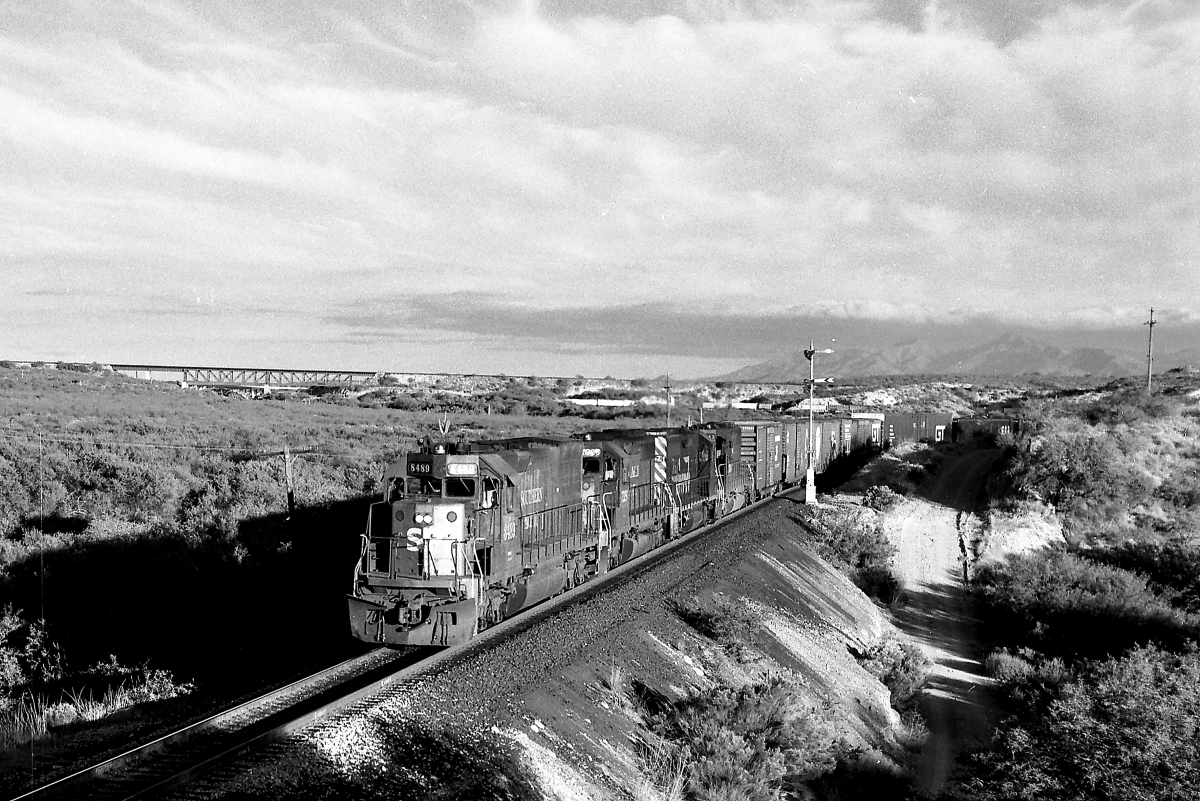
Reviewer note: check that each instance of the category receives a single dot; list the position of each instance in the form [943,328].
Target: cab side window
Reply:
[490,497]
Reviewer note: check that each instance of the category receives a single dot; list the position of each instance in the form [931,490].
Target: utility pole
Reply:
[287,477]
[667,387]
[1150,352]
[810,475]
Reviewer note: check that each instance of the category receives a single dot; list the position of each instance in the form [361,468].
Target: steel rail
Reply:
[129,756]
[337,697]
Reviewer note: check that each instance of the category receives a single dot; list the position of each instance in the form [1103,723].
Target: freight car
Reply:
[468,534]
[986,428]
[916,427]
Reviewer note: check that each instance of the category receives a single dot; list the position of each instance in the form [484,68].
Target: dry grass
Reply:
[615,690]
[32,717]
[912,732]
[663,775]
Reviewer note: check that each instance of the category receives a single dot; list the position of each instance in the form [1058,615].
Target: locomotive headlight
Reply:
[424,519]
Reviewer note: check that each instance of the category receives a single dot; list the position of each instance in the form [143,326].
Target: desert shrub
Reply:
[1030,679]
[1181,488]
[902,668]
[728,623]
[750,743]
[12,675]
[880,498]
[1173,568]
[79,367]
[635,412]
[1130,406]
[27,654]
[860,550]
[1085,475]
[1063,604]
[859,779]
[1124,728]
[43,658]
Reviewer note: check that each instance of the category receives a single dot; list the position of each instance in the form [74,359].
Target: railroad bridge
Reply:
[248,376]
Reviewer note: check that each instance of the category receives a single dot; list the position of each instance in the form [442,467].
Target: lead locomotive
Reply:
[469,534]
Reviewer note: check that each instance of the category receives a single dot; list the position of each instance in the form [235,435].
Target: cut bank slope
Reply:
[559,698]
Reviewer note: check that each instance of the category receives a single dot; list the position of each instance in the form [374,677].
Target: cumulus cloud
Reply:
[1017,161]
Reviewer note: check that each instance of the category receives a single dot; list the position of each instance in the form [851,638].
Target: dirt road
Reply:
[926,530]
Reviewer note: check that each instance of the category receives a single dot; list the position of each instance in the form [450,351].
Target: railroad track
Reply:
[174,760]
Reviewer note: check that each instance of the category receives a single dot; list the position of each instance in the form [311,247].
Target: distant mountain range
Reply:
[1008,355]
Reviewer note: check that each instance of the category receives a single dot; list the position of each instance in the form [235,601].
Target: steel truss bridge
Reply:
[247,376]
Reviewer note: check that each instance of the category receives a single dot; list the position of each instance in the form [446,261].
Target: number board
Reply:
[420,468]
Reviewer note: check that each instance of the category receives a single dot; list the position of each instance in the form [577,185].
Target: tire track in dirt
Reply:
[928,531]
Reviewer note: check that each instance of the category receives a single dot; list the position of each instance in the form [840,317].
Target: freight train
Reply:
[468,534]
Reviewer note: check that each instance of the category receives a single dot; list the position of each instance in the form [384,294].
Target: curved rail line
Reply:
[181,757]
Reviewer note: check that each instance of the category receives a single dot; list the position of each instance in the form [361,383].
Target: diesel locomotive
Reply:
[468,534]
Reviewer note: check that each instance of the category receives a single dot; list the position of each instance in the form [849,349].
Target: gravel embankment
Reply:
[532,716]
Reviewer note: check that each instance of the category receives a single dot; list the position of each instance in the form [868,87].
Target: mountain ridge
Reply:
[1007,355]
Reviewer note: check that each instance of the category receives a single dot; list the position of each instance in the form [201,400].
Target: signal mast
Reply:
[810,475]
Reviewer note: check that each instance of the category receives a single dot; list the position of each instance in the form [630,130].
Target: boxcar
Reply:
[916,427]
[969,428]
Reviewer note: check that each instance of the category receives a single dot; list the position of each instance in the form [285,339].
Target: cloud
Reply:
[725,332]
[1020,161]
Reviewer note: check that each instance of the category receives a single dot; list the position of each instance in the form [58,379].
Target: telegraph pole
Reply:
[1150,352]
[667,387]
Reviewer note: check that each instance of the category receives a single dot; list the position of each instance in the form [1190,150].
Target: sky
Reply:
[621,187]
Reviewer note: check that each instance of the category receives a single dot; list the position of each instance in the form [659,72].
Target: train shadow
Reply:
[266,602]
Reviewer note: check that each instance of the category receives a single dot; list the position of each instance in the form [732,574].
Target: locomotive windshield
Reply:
[460,488]
[423,486]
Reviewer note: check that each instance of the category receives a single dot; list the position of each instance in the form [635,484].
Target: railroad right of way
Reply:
[444,733]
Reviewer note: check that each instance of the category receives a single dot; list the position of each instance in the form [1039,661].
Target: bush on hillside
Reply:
[880,498]
[1066,605]
[1084,475]
[1124,729]
[1181,489]
[1130,406]
[1172,568]
[901,667]
[752,743]
[27,654]
[730,624]
[1030,679]
[859,550]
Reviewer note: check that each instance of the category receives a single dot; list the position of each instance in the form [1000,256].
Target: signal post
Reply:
[810,475]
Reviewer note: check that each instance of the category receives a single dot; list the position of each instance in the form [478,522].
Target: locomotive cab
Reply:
[419,565]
